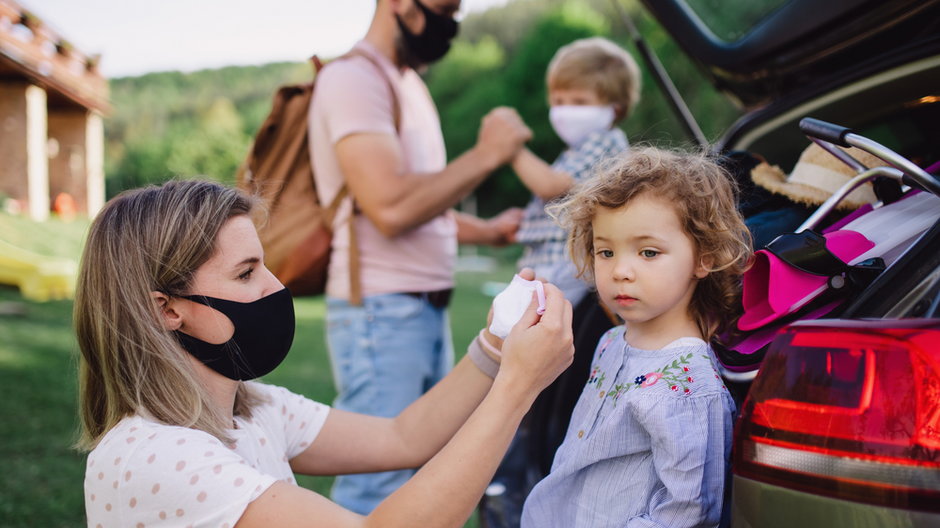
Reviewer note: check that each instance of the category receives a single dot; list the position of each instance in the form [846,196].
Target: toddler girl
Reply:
[649,439]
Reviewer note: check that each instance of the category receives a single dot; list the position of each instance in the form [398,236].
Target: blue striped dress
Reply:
[647,445]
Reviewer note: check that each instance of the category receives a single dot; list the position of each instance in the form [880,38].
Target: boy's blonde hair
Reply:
[147,240]
[704,197]
[600,65]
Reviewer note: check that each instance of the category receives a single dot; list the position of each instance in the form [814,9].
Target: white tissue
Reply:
[511,303]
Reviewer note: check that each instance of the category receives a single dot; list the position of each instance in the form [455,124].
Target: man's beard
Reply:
[405,56]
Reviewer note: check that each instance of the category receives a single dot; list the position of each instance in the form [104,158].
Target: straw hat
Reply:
[816,176]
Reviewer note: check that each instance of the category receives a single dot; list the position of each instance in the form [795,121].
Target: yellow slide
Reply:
[38,277]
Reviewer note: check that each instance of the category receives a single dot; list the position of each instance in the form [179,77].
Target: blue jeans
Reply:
[385,354]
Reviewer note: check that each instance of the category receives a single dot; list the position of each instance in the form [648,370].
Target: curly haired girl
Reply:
[649,439]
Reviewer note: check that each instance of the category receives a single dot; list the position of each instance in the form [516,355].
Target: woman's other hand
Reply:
[539,348]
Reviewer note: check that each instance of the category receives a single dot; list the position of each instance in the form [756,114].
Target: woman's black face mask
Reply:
[434,41]
[264,332]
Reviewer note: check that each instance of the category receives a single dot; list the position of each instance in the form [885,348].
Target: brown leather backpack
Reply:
[296,232]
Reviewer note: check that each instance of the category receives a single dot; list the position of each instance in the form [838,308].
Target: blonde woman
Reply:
[176,314]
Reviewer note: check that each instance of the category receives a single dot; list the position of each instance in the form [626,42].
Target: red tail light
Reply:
[848,409]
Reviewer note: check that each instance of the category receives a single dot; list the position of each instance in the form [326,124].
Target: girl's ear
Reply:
[166,308]
[704,267]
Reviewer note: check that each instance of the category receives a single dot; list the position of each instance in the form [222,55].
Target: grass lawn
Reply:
[41,480]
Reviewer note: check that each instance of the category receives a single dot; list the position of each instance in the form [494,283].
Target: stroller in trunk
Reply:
[827,270]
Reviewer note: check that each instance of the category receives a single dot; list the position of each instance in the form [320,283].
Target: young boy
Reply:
[593,84]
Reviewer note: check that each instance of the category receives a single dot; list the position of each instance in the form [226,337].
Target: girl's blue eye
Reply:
[606,253]
[649,253]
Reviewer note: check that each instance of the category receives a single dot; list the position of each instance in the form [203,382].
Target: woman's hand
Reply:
[495,341]
[539,348]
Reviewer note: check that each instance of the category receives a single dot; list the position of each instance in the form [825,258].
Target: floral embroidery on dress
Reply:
[717,374]
[677,374]
[618,391]
[651,379]
[611,335]
[597,376]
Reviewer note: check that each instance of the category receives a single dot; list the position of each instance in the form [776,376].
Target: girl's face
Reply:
[235,272]
[646,269]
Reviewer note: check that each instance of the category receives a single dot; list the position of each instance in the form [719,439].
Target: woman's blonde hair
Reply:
[599,65]
[704,196]
[147,240]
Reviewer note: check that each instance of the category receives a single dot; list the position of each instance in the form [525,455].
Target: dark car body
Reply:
[868,65]
[841,425]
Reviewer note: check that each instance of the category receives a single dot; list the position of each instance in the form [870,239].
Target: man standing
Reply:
[374,128]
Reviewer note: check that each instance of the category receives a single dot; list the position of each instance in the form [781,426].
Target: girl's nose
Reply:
[623,269]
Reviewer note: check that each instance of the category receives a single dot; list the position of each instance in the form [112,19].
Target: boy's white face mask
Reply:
[511,303]
[573,123]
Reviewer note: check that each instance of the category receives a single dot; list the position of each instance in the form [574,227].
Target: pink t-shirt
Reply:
[351,97]
[144,473]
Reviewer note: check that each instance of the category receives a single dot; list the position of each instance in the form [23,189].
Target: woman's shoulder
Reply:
[280,401]
[139,452]
[138,437]
[143,468]
[137,430]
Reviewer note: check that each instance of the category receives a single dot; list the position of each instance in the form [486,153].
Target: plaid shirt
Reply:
[544,240]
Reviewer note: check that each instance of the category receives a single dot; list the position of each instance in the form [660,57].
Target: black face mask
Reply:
[432,43]
[264,331]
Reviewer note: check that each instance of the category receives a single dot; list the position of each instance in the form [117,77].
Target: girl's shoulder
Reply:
[684,368]
[609,337]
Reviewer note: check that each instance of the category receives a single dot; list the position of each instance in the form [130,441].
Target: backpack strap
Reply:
[355,283]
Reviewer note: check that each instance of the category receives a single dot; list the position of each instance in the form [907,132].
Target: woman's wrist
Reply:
[514,388]
[485,336]
[484,360]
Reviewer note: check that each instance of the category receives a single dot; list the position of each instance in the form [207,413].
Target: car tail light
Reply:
[848,409]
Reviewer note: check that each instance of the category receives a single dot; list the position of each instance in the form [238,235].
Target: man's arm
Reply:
[497,231]
[396,201]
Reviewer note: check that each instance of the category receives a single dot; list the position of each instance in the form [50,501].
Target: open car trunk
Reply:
[868,65]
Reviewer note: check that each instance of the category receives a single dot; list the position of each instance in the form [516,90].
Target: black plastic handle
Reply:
[825,131]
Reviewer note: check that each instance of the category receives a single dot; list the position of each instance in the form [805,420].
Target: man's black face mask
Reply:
[433,42]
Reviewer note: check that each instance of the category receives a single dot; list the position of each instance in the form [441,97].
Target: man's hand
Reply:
[505,225]
[502,136]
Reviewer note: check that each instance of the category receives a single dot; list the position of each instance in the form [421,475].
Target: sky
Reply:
[140,36]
